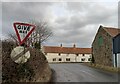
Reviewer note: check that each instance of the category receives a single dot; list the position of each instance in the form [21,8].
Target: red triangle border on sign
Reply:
[19,39]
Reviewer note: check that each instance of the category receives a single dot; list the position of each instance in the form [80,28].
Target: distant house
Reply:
[67,54]
[102,46]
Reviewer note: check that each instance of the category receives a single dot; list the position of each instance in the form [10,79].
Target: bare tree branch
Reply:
[13,37]
[41,33]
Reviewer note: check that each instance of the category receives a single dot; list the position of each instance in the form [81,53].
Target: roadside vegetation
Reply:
[36,69]
[102,67]
[105,68]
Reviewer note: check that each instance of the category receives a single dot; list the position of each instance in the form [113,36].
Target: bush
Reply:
[24,71]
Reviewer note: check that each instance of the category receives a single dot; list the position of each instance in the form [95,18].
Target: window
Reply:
[89,59]
[59,54]
[67,59]
[60,59]
[100,40]
[77,54]
[83,54]
[54,59]
[83,59]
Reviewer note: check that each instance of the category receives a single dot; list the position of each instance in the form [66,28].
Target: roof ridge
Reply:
[105,28]
[66,50]
[111,27]
[66,47]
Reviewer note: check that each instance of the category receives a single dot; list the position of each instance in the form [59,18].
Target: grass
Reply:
[105,68]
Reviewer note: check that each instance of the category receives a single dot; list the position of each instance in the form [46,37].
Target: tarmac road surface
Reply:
[77,72]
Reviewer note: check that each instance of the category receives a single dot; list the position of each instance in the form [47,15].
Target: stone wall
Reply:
[103,53]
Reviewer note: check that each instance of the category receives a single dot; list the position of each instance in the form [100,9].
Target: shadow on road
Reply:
[53,78]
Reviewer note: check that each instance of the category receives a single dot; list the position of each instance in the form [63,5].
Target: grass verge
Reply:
[105,68]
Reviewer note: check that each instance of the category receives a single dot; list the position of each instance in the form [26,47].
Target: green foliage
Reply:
[105,68]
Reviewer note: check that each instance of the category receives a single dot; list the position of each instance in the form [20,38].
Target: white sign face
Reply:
[23,31]
[20,54]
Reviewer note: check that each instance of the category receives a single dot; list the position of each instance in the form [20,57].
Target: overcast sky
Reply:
[70,22]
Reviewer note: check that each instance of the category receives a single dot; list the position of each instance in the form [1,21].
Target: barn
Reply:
[103,44]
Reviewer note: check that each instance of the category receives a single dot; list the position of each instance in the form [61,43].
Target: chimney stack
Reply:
[74,45]
[61,45]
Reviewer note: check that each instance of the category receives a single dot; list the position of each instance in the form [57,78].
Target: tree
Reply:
[13,37]
[41,33]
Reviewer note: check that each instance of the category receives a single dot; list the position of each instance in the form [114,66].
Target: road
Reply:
[72,72]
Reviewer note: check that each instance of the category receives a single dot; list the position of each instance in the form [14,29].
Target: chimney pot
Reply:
[60,45]
[74,45]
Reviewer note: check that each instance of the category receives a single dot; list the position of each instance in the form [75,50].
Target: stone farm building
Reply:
[102,46]
[67,54]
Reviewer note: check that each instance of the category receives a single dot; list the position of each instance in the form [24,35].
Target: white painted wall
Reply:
[118,60]
[114,60]
[73,57]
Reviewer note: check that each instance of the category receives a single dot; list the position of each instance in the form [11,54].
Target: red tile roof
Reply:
[67,50]
[112,31]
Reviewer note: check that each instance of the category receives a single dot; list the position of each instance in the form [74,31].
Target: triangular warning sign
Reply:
[23,31]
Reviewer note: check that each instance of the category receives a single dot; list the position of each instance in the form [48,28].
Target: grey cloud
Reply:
[95,13]
[77,21]
[75,36]
[92,13]
[24,11]
[78,6]
[78,26]
[98,15]
[0,20]
[84,22]
[119,14]
[62,20]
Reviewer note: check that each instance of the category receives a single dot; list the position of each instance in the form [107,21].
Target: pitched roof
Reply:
[66,50]
[112,31]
